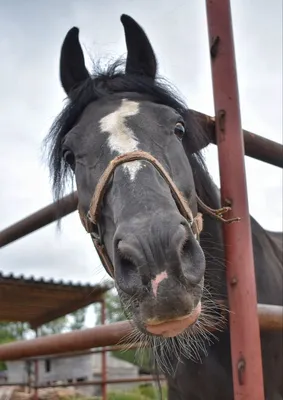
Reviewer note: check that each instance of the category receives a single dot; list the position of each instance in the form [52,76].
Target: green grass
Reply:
[142,392]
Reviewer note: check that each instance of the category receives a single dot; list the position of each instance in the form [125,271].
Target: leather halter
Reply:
[91,223]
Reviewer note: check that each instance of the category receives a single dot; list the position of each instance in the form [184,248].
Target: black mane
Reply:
[109,80]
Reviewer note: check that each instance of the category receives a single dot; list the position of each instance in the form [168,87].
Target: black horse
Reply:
[167,276]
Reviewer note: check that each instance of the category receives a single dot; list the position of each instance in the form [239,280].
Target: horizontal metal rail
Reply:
[39,219]
[149,378]
[270,318]
[256,146]
[99,382]
[74,354]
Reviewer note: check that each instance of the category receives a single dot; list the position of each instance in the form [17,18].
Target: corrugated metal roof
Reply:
[39,300]
[42,280]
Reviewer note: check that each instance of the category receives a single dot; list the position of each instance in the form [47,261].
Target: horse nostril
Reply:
[192,261]
[126,270]
[184,239]
[186,249]
[131,273]
[126,263]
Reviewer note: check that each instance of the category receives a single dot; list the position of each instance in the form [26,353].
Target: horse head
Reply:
[132,145]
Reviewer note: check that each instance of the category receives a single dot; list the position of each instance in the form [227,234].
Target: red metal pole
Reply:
[103,356]
[36,371]
[244,325]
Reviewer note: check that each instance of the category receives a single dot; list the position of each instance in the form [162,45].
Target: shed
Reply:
[39,301]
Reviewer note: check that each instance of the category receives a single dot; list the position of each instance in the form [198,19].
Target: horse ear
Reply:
[199,131]
[141,58]
[72,64]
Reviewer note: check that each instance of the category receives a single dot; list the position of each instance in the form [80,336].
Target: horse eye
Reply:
[179,130]
[69,157]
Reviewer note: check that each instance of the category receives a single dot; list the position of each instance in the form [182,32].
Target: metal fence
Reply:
[33,377]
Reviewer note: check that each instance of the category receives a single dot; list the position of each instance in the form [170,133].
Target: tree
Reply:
[9,332]
[78,319]
[70,322]
[114,313]
[12,331]
[53,327]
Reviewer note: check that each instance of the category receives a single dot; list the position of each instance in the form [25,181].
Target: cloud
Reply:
[31,97]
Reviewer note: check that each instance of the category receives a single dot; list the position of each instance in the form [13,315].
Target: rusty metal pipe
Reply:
[256,146]
[244,326]
[103,355]
[108,382]
[100,336]
[270,318]
[263,149]
[74,354]
[21,384]
[39,219]
[86,383]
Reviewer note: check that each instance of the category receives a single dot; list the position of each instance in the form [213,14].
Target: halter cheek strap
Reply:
[91,223]
[98,242]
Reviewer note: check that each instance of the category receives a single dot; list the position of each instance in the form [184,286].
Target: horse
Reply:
[146,198]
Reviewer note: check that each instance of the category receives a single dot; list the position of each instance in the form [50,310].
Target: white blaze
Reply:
[121,138]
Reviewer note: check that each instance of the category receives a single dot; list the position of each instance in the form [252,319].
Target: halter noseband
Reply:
[90,221]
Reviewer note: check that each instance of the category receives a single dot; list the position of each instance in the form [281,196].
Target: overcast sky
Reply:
[31,96]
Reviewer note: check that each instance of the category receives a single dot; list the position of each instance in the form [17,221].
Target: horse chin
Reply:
[174,327]
[167,328]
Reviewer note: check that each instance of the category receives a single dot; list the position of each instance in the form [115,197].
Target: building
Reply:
[86,367]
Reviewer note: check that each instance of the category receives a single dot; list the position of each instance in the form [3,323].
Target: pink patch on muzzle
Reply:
[157,280]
